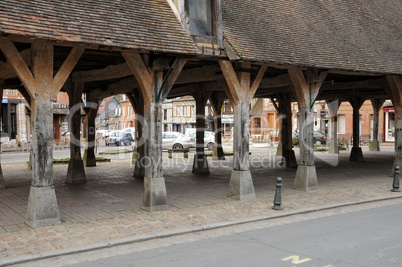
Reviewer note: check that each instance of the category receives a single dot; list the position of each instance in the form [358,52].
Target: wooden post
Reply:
[306,86]
[217,106]
[76,171]
[155,87]
[90,112]
[285,149]
[356,153]
[42,87]
[200,163]
[375,143]
[137,102]
[2,185]
[395,82]
[239,90]
[333,106]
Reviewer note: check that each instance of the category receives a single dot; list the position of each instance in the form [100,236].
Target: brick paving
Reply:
[108,206]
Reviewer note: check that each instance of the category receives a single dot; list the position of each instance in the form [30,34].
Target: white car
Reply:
[209,139]
[175,140]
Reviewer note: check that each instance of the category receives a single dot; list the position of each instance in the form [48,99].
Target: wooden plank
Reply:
[67,67]
[18,63]
[141,73]
[231,80]
[257,80]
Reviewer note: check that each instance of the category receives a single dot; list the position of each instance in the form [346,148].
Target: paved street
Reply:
[363,238]
[106,211]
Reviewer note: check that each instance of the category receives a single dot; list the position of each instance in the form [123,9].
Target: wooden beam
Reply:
[202,74]
[108,73]
[141,73]
[120,87]
[257,80]
[395,82]
[232,81]
[365,84]
[18,63]
[7,70]
[67,67]
[306,86]
[177,67]
[232,98]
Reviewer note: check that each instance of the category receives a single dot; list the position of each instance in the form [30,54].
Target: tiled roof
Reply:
[139,24]
[361,35]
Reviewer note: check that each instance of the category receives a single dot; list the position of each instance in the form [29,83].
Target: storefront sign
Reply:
[389,109]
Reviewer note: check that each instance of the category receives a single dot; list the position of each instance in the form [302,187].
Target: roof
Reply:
[358,35]
[137,24]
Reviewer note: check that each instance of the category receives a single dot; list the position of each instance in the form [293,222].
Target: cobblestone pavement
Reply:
[108,206]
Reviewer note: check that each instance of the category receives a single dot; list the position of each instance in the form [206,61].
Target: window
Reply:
[184,111]
[192,111]
[200,17]
[177,111]
[165,114]
[341,124]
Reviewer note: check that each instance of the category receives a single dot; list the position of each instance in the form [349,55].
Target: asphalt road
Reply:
[370,237]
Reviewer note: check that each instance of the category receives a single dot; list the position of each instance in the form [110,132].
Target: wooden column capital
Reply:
[306,85]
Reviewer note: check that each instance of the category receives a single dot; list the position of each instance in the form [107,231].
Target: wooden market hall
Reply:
[291,51]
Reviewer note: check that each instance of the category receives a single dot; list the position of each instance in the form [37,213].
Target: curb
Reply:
[182,231]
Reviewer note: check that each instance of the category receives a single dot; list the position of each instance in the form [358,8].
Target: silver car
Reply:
[175,140]
[209,139]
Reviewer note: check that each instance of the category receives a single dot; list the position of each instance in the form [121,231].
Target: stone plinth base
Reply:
[397,162]
[42,207]
[306,178]
[356,154]
[241,185]
[89,158]
[155,196]
[76,172]
[374,146]
[289,159]
[200,164]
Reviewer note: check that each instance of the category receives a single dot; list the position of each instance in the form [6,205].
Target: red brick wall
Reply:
[365,111]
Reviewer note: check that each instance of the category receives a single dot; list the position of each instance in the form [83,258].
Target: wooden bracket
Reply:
[42,63]
[306,85]
[147,77]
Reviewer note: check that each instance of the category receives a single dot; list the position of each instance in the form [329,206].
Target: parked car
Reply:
[175,140]
[209,139]
[114,136]
[319,138]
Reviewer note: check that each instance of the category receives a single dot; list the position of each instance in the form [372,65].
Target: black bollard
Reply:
[395,184]
[278,194]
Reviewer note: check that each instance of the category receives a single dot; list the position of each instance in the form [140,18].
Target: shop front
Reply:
[389,125]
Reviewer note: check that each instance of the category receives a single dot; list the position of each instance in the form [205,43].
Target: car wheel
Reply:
[177,146]
[318,142]
[210,146]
